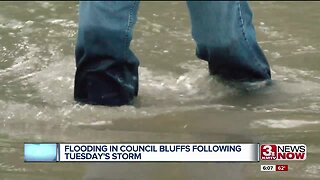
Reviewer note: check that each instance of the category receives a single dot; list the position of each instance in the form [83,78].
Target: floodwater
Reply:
[178,101]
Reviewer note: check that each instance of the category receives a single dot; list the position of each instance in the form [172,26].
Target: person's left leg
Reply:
[226,39]
[107,70]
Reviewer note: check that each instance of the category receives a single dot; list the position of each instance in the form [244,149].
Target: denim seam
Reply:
[243,30]
[126,42]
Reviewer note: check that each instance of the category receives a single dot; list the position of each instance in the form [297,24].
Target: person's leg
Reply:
[225,37]
[107,70]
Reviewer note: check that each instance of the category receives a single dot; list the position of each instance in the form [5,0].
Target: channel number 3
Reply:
[268,151]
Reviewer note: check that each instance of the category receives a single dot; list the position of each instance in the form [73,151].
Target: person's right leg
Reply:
[226,38]
[107,70]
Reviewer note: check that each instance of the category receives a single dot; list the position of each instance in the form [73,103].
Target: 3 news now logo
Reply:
[283,152]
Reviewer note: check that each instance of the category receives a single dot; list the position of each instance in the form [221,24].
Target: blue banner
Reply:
[40,152]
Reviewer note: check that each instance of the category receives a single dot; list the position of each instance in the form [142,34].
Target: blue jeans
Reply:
[107,70]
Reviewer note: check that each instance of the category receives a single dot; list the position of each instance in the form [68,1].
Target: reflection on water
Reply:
[36,104]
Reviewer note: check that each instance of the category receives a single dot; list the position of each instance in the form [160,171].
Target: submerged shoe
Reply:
[251,86]
[106,102]
[104,89]
[246,86]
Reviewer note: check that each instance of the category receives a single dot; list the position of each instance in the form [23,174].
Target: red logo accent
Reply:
[268,152]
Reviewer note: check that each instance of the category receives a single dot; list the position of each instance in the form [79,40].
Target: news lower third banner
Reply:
[155,152]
